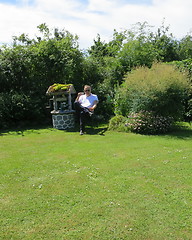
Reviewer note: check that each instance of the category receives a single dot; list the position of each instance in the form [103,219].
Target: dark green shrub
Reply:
[17,108]
[185,66]
[12,108]
[29,67]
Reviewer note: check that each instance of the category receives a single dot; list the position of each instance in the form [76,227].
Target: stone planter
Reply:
[63,121]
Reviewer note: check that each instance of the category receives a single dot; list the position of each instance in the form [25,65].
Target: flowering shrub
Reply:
[146,122]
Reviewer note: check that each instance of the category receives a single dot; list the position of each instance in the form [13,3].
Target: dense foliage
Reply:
[29,66]
[185,66]
[152,99]
[161,89]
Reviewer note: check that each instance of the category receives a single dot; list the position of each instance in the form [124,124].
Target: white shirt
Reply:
[88,101]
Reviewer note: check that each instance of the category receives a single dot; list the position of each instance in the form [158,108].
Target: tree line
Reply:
[29,66]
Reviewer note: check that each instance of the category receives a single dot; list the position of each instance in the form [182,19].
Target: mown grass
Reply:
[103,185]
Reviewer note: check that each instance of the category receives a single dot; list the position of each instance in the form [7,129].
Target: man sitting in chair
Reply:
[85,105]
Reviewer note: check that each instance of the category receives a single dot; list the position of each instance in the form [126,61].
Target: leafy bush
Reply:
[148,123]
[18,108]
[186,67]
[12,108]
[29,67]
[117,123]
[144,122]
[161,89]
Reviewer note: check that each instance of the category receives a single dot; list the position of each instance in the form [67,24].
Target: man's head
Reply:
[87,90]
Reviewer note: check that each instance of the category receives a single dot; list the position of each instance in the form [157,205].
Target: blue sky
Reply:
[87,18]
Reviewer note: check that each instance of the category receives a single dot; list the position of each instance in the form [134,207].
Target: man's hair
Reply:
[87,86]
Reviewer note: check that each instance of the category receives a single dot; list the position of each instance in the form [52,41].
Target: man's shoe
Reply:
[81,132]
[90,114]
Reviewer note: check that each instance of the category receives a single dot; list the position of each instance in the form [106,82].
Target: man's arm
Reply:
[94,105]
[78,96]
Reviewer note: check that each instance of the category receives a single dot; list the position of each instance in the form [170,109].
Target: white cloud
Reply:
[97,16]
[16,20]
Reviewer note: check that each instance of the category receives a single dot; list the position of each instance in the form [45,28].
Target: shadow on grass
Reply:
[181,131]
[96,131]
[93,130]
[22,130]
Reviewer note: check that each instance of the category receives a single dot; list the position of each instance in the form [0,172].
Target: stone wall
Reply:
[63,121]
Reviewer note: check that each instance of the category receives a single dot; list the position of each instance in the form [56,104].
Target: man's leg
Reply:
[82,120]
[77,106]
[82,114]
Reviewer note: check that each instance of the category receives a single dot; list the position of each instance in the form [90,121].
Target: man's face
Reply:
[87,91]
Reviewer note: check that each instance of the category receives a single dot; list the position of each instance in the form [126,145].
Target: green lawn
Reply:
[106,185]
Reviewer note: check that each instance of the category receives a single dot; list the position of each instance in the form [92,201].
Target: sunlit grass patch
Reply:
[59,185]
